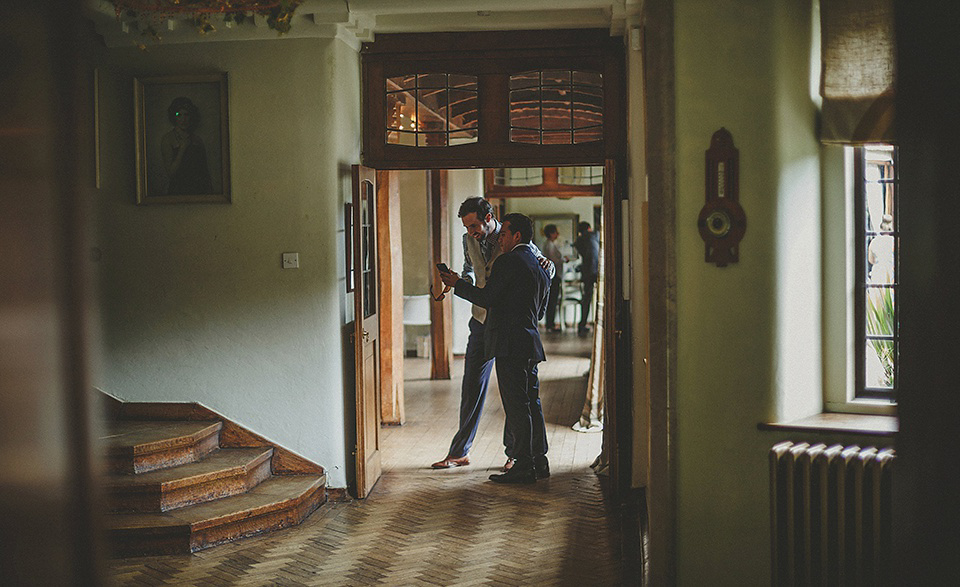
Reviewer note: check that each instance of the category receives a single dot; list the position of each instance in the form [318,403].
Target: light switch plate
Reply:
[291,260]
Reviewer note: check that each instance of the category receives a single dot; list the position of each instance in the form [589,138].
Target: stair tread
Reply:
[218,464]
[140,437]
[272,494]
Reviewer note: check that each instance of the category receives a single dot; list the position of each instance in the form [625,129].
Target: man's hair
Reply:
[550,229]
[583,227]
[520,223]
[477,206]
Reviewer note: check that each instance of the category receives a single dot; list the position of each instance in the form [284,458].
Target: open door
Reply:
[617,354]
[366,328]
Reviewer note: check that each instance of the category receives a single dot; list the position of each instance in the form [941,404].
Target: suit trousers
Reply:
[473,391]
[555,285]
[589,283]
[520,393]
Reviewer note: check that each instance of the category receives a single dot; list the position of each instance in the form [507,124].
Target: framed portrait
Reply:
[183,147]
[567,226]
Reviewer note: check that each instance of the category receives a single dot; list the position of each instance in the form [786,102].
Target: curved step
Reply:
[138,447]
[276,503]
[226,472]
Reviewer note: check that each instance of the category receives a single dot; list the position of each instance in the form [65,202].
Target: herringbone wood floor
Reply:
[451,527]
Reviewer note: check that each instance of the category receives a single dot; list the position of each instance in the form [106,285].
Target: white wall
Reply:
[461,184]
[749,347]
[194,302]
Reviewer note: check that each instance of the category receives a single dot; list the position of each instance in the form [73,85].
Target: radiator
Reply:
[830,514]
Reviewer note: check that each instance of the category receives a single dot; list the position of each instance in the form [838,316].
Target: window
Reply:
[492,100]
[592,175]
[432,109]
[556,107]
[518,177]
[876,263]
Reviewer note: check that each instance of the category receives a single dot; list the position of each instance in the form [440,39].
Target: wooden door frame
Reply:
[360,176]
[491,55]
[618,399]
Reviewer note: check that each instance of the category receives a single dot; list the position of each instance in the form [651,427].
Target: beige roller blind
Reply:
[858,75]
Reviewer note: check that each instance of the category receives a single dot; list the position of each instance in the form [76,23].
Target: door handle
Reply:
[366,336]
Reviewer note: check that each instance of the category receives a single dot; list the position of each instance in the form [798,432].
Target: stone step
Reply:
[225,472]
[139,447]
[275,503]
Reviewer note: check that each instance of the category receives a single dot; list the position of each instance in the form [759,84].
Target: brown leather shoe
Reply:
[508,465]
[449,461]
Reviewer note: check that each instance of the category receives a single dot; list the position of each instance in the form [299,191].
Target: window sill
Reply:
[859,424]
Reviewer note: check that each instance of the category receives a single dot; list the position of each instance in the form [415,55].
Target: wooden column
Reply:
[441,313]
[391,299]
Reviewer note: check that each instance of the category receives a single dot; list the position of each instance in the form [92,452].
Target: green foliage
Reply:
[880,320]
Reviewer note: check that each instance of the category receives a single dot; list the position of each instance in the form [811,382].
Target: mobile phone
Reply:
[443,268]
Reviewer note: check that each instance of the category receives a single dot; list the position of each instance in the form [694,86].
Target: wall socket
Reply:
[291,260]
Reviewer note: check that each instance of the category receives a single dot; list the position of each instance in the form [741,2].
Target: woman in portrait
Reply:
[184,155]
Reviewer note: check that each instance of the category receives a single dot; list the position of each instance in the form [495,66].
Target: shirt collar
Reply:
[494,236]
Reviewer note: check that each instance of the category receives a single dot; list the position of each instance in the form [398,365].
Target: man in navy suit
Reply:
[515,296]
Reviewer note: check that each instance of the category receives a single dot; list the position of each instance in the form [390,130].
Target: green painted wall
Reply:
[195,305]
[749,345]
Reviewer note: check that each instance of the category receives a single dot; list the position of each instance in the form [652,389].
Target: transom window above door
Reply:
[493,99]
[556,107]
[432,109]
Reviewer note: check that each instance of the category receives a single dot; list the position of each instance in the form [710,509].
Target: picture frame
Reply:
[182,139]
[566,224]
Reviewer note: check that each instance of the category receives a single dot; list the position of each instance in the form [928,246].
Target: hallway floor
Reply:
[449,527]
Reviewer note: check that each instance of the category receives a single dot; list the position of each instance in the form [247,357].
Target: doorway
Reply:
[572,377]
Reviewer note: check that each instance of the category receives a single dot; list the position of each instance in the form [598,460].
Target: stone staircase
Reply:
[181,478]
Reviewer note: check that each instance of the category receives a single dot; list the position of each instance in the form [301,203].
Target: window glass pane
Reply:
[589,78]
[553,77]
[431,139]
[463,137]
[556,137]
[432,80]
[527,79]
[560,100]
[463,82]
[525,108]
[433,106]
[880,311]
[587,107]
[588,135]
[556,108]
[518,176]
[401,110]
[423,103]
[463,109]
[401,82]
[522,135]
[402,138]
[580,175]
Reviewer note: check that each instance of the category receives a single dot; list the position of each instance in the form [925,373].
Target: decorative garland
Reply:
[149,13]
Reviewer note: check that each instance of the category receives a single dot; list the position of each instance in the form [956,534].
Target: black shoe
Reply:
[525,476]
[541,467]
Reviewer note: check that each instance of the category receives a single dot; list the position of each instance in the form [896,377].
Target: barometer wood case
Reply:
[722,222]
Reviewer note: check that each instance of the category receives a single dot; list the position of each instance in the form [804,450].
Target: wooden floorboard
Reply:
[450,527]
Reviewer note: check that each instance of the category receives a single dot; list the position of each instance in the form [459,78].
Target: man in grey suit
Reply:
[515,296]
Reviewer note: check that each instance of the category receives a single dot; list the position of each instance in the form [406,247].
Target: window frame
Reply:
[861,236]
[839,240]
[493,57]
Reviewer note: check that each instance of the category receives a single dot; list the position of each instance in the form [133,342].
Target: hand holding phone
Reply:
[442,267]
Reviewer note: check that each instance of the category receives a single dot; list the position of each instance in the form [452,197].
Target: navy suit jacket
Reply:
[515,297]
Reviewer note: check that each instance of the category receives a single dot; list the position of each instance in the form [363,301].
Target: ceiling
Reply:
[355,21]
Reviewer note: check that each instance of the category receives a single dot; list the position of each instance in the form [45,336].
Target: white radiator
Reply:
[830,514]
